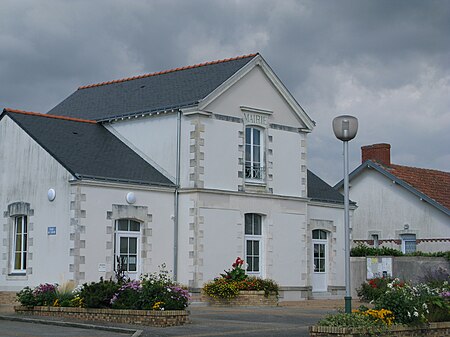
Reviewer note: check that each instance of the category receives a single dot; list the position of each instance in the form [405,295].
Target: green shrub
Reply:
[45,294]
[26,297]
[236,273]
[373,288]
[255,283]
[221,288]
[370,325]
[362,250]
[99,294]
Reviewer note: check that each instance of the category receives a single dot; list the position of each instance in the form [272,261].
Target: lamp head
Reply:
[345,127]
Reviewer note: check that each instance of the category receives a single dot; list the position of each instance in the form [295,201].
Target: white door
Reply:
[320,261]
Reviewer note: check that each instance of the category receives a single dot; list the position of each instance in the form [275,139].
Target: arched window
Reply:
[126,248]
[253,243]
[254,153]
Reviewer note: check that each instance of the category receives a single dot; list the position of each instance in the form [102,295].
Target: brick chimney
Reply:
[380,153]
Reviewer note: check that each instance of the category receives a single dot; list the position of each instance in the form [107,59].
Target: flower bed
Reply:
[153,300]
[235,288]
[438,329]
[143,317]
[399,309]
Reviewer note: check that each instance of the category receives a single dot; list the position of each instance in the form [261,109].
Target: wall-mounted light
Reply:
[131,198]
[51,194]
[406,226]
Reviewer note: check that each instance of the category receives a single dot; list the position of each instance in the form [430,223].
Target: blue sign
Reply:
[51,230]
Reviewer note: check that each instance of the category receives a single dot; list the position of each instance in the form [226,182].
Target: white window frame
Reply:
[323,242]
[23,252]
[408,238]
[254,238]
[118,234]
[251,171]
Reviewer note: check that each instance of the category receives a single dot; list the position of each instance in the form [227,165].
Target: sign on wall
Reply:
[51,230]
[379,267]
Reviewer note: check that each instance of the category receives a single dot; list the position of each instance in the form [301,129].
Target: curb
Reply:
[135,332]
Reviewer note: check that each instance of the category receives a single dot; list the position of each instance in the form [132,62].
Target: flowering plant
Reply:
[229,284]
[236,273]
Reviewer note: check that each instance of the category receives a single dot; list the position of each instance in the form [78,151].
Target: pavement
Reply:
[288,319]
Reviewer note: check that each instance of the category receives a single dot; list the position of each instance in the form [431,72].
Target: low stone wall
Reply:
[7,297]
[142,317]
[245,298]
[438,329]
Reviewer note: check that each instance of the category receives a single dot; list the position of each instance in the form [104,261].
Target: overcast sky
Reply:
[385,62]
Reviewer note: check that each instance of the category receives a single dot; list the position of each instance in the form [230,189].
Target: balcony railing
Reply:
[254,172]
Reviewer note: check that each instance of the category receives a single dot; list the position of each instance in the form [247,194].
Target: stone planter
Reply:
[245,298]
[437,329]
[142,317]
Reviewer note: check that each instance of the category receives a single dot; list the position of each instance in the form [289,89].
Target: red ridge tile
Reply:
[30,113]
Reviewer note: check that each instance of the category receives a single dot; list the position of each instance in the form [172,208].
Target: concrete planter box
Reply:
[142,317]
[245,298]
[437,329]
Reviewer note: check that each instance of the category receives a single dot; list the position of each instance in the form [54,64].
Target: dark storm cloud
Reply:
[387,62]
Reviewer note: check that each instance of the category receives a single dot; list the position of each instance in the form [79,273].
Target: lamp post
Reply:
[345,128]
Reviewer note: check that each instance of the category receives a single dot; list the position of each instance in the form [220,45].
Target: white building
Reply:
[189,167]
[401,207]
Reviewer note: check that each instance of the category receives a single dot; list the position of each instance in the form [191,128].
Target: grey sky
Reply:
[386,62]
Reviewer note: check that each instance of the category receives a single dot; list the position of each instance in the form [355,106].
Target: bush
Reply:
[355,320]
[99,294]
[152,292]
[45,294]
[221,288]
[362,250]
[26,297]
[228,285]
[373,288]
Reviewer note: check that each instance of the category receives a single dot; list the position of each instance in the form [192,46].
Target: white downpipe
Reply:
[176,199]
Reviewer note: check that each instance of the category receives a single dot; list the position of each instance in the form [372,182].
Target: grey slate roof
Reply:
[88,150]
[171,89]
[319,190]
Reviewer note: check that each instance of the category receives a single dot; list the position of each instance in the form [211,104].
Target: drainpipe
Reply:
[176,199]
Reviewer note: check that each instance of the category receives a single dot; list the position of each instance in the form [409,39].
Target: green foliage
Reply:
[367,323]
[221,288]
[228,285]
[26,297]
[255,283]
[236,273]
[373,288]
[364,250]
[153,292]
[99,294]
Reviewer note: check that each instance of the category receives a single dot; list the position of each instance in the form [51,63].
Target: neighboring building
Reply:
[402,207]
[189,167]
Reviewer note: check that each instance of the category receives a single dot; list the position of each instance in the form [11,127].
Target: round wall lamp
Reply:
[131,198]
[51,194]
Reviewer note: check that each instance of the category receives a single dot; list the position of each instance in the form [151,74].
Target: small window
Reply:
[408,243]
[375,240]
[128,225]
[20,244]
[319,234]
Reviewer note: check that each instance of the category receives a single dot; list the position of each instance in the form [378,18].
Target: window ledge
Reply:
[255,182]
[16,277]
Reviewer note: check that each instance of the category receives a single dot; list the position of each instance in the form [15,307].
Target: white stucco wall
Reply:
[221,154]
[257,91]
[27,173]
[336,253]
[157,235]
[386,207]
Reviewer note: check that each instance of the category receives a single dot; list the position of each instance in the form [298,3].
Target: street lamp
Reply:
[345,128]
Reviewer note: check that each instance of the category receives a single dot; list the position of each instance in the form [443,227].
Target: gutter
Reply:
[177,199]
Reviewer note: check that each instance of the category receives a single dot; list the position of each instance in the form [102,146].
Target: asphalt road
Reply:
[206,321]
